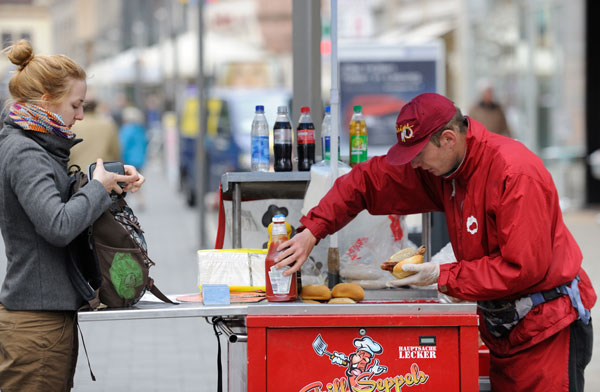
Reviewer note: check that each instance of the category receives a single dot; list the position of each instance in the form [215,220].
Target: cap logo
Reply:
[405,131]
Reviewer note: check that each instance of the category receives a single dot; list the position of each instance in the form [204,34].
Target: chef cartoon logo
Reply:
[472,225]
[361,367]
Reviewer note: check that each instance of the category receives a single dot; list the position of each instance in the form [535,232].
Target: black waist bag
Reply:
[109,261]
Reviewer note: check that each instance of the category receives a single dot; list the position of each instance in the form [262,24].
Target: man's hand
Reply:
[426,274]
[295,251]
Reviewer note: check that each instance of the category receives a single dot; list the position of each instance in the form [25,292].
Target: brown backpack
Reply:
[109,261]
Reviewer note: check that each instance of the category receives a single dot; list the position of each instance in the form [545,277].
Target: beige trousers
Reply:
[38,350]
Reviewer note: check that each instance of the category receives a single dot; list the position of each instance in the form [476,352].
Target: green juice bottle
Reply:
[358,137]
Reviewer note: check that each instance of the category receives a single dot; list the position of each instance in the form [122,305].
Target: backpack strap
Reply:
[82,267]
[92,304]
[84,348]
[215,321]
[158,294]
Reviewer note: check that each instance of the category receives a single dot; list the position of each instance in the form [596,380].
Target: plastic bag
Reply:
[445,255]
[313,272]
[375,239]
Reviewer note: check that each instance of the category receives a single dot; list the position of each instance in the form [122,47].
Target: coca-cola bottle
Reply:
[282,140]
[306,140]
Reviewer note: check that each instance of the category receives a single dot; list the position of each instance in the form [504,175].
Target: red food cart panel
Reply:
[345,359]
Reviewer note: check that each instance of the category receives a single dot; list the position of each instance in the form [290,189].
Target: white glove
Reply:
[377,369]
[339,359]
[426,274]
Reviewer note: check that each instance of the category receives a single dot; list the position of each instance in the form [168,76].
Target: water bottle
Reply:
[306,140]
[282,140]
[326,136]
[260,141]
[278,287]
[358,137]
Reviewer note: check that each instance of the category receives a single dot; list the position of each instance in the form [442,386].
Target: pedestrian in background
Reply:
[133,140]
[38,302]
[120,102]
[489,112]
[100,138]
[154,126]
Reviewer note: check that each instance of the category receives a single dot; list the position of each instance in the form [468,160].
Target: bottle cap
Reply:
[260,109]
[278,218]
[327,109]
[304,109]
[282,109]
[357,108]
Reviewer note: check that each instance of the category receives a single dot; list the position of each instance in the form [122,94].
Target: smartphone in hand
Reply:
[111,166]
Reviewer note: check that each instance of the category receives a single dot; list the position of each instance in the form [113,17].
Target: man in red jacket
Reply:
[516,257]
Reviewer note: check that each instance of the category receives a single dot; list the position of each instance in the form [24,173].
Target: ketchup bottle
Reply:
[280,288]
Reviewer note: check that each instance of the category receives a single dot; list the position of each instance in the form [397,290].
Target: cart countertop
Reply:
[406,301]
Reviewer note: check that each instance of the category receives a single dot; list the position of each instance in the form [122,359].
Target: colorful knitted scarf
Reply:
[35,118]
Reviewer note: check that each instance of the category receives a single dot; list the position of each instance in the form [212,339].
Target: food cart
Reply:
[422,341]
[391,340]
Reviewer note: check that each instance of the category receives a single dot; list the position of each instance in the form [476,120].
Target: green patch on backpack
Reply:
[125,274]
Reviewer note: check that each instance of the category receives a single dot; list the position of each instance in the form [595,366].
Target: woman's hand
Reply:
[132,179]
[137,179]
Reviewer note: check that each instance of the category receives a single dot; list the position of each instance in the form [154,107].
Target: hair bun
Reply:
[21,53]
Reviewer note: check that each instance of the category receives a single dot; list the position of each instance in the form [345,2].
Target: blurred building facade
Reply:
[25,19]
[22,19]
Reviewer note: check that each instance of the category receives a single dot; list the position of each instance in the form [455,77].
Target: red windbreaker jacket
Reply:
[504,222]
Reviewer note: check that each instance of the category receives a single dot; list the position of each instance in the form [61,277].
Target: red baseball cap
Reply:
[420,118]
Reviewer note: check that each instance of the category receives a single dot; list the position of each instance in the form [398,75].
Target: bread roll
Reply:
[399,273]
[349,290]
[310,301]
[405,253]
[318,292]
[341,300]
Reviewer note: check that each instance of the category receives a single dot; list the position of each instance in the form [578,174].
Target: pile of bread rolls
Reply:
[350,293]
[342,293]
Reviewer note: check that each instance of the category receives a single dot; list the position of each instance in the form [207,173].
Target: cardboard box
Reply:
[240,269]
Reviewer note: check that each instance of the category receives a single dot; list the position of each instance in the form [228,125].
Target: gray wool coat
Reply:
[38,222]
